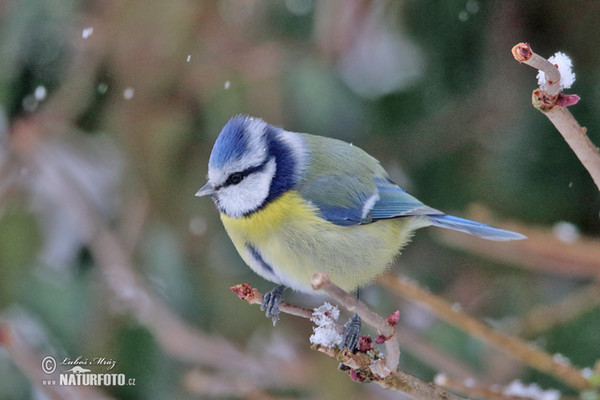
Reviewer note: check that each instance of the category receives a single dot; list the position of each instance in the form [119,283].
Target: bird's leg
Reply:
[352,331]
[271,301]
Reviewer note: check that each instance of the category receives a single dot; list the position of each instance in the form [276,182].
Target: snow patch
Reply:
[326,332]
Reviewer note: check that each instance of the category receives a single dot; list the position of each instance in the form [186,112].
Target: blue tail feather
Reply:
[474,228]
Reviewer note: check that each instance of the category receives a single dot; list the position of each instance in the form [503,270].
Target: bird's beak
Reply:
[206,190]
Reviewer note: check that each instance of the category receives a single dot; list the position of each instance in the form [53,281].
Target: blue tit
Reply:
[294,204]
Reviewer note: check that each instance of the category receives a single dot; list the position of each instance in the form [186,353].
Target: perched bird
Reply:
[295,204]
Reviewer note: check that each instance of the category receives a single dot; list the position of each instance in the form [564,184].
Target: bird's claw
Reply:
[270,303]
[351,334]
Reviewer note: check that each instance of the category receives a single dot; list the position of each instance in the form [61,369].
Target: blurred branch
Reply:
[29,360]
[496,392]
[546,317]
[211,386]
[134,219]
[542,251]
[551,103]
[368,369]
[511,346]
[130,294]
[419,347]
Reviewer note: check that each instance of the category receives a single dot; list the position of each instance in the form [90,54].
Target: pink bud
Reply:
[393,318]
[365,344]
[245,292]
[356,377]
[566,100]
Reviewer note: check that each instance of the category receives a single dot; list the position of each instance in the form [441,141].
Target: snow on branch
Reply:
[555,74]
[366,365]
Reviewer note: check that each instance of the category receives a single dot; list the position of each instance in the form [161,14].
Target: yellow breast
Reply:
[295,242]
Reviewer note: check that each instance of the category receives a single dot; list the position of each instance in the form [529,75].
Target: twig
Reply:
[321,281]
[577,138]
[405,338]
[523,53]
[512,346]
[411,386]
[245,292]
[550,101]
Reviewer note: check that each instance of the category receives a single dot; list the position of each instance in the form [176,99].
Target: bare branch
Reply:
[409,385]
[577,138]
[511,346]
[253,296]
[523,53]
[549,100]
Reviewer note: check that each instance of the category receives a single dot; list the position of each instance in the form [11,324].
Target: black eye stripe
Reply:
[240,175]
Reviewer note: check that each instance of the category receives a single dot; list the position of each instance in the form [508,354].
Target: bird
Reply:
[294,204]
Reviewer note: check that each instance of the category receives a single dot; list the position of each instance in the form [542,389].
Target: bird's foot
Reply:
[270,303]
[351,334]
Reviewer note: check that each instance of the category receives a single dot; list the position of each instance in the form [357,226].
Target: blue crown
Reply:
[232,143]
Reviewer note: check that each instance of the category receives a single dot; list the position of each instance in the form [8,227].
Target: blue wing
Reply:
[394,202]
[360,203]
[347,200]
[355,190]
[340,199]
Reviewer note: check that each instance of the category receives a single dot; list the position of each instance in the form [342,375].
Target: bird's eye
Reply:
[235,178]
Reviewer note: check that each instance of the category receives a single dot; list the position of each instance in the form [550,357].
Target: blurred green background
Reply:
[109,112]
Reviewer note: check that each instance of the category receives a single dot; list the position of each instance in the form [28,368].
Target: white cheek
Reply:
[248,195]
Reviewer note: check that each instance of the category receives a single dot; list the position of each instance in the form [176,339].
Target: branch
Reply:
[512,346]
[551,102]
[321,281]
[411,386]
[400,381]
[523,53]
[253,296]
